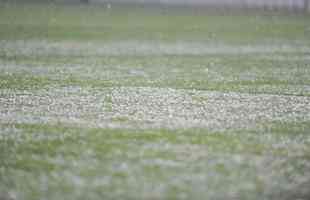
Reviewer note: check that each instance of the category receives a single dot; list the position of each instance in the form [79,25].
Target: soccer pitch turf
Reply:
[153,103]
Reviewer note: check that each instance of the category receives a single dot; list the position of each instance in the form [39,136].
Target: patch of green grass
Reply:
[57,22]
[63,154]
[120,119]
[29,82]
[21,82]
[249,73]
[293,129]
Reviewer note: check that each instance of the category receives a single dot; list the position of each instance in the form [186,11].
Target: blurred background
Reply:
[292,5]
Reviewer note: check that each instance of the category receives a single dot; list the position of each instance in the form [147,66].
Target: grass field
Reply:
[153,103]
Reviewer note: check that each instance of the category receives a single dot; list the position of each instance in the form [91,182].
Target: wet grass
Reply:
[59,161]
[240,73]
[77,26]
[118,23]
[71,157]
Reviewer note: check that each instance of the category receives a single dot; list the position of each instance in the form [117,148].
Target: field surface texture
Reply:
[108,102]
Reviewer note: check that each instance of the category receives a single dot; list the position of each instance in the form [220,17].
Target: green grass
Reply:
[99,23]
[76,26]
[57,152]
[248,73]
[29,82]
[62,161]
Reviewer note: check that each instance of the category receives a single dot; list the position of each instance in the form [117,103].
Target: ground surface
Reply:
[99,103]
